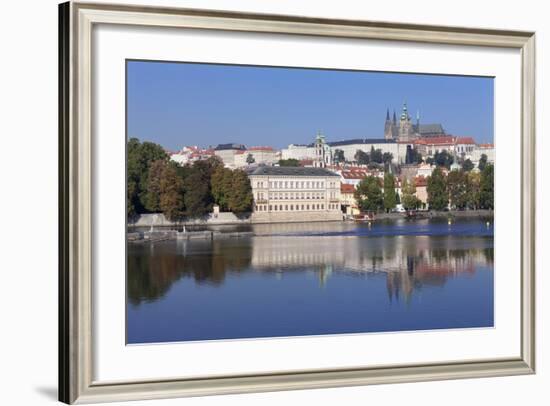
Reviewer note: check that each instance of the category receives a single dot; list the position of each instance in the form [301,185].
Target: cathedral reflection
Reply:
[407,262]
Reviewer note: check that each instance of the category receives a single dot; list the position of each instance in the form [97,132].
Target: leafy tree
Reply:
[389,191]
[221,184]
[197,197]
[376,155]
[412,156]
[369,194]
[387,157]
[140,156]
[408,195]
[486,188]
[467,165]
[250,159]
[474,179]
[171,195]
[443,158]
[289,162]
[437,190]
[151,197]
[362,157]
[240,196]
[457,185]
[339,156]
[482,162]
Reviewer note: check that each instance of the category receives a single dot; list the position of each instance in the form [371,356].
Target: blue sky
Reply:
[177,104]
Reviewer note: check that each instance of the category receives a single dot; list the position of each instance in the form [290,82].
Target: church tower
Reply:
[322,152]
[388,130]
[405,125]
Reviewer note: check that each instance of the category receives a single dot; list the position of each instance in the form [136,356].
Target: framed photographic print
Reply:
[265,202]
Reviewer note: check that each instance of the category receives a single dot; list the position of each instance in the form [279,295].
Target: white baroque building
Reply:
[295,194]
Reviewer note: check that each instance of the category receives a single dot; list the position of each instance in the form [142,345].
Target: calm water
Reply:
[309,279]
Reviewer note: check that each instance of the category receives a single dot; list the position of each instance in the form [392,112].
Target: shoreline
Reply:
[166,232]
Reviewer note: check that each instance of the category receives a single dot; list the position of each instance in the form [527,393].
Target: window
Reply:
[308,206]
[270,208]
[291,207]
[280,207]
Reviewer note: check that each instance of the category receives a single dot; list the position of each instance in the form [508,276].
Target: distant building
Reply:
[227,152]
[480,149]
[295,194]
[429,146]
[405,130]
[262,155]
[347,199]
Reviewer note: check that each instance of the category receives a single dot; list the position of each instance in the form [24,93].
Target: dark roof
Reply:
[366,141]
[293,171]
[362,141]
[430,129]
[221,147]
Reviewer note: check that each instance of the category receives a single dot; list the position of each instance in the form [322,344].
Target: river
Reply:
[313,279]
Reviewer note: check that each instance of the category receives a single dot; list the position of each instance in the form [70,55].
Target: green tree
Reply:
[289,162]
[339,156]
[486,188]
[387,157]
[140,156]
[250,159]
[369,194]
[362,157]
[467,165]
[437,190]
[412,156]
[408,195]
[197,197]
[151,197]
[482,162]
[457,185]
[221,184]
[376,155]
[443,158]
[389,192]
[171,195]
[240,197]
[474,179]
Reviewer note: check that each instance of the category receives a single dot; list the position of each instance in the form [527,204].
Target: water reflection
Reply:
[408,262]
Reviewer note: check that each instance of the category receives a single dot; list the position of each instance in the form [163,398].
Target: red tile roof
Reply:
[444,140]
[465,140]
[486,146]
[261,148]
[345,188]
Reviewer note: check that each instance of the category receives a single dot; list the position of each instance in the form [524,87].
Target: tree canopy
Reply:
[369,194]
[437,190]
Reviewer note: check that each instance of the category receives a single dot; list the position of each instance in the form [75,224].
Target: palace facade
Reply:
[295,194]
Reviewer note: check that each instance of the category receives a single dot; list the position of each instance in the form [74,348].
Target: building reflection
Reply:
[407,262]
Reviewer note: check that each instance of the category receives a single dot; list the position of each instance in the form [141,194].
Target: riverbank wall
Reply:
[156,236]
[439,214]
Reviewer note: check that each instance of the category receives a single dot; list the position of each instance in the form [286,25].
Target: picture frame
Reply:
[76,214]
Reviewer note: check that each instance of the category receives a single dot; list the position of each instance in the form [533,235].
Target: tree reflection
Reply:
[408,262]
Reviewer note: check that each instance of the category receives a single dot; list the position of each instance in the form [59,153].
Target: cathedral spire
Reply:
[394,119]
[387,114]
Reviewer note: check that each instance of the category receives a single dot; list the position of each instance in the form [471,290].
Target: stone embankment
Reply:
[156,236]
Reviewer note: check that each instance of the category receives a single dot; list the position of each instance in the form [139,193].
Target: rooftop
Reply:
[221,147]
[292,171]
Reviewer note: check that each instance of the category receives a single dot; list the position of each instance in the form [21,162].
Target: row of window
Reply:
[295,207]
[294,184]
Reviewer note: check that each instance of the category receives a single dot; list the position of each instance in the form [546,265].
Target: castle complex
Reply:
[407,131]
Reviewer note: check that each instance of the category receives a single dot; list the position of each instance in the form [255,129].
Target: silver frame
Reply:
[76,21]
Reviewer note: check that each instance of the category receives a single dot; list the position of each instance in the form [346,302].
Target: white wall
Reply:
[29,268]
